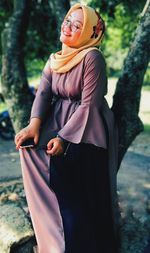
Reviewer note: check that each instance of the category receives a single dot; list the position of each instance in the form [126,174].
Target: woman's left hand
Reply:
[55,146]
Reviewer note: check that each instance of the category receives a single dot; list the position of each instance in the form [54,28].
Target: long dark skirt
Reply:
[80,182]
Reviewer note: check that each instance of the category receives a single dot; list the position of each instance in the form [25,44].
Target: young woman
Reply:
[70,174]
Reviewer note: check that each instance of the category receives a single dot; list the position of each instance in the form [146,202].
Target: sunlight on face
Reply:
[71,28]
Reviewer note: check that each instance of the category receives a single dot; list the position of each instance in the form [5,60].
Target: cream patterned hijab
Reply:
[91,36]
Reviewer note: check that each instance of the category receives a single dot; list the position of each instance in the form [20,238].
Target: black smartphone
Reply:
[29,143]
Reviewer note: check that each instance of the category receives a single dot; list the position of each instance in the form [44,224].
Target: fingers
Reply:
[36,138]
[54,147]
[20,137]
[20,141]
[51,147]
[50,144]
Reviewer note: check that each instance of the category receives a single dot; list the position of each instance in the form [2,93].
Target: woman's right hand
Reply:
[30,131]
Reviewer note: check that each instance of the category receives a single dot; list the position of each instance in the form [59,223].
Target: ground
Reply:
[133,189]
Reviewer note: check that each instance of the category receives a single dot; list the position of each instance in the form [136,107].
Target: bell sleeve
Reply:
[85,124]
[43,97]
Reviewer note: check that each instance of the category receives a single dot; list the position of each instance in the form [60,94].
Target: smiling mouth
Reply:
[66,34]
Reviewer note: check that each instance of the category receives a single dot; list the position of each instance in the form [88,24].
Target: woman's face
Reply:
[71,28]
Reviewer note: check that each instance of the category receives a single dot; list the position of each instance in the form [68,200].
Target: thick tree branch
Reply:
[128,92]
[14,82]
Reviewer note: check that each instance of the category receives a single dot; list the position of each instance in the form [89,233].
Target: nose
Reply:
[68,24]
[67,28]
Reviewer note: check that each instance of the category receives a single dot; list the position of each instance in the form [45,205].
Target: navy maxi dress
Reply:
[69,195]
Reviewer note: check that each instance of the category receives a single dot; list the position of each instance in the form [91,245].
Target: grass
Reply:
[3,107]
[146,88]
[147,128]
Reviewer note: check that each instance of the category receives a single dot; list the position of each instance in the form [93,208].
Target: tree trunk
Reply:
[128,91]
[14,81]
[59,9]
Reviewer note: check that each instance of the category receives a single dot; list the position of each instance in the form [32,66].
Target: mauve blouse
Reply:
[75,113]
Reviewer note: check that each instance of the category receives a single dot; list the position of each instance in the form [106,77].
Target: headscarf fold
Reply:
[90,37]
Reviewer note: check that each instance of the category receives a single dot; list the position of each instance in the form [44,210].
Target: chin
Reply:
[63,38]
[64,41]
[60,38]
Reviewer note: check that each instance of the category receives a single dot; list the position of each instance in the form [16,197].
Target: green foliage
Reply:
[109,6]
[3,106]
[34,68]
[126,24]
[41,36]
[121,18]
[119,35]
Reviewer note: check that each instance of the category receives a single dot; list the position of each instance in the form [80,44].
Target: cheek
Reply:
[76,36]
[62,36]
[70,41]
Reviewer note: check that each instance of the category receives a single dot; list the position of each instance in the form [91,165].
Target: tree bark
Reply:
[126,99]
[59,9]
[15,87]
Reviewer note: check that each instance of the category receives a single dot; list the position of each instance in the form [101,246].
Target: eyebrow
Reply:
[76,20]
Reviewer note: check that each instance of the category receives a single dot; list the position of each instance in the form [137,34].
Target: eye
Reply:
[66,21]
[77,26]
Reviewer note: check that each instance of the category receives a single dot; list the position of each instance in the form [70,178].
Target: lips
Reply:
[66,34]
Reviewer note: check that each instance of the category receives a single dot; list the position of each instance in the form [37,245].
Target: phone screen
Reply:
[29,143]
